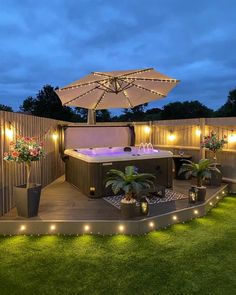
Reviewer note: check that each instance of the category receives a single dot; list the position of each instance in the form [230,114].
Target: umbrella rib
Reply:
[99,100]
[155,79]
[101,74]
[106,87]
[77,97]
[136,72]
[149,90]
[127,97]
[129,84]
[79,85]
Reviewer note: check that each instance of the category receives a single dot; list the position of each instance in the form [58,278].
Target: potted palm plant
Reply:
[214,144]
[201,170]
[26,150]
[131,183]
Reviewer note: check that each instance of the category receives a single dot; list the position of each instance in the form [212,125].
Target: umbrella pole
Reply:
[91,120]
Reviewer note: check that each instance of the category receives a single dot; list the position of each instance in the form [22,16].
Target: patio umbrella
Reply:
[117,89]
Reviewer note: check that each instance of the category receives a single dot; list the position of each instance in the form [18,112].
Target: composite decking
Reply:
[62,201]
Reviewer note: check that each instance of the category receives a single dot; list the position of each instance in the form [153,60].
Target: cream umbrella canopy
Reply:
[117,89]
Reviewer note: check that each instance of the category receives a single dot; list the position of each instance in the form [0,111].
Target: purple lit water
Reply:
[115,151]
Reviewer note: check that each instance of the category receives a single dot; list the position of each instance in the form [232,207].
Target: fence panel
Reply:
[186,135]
[44,171]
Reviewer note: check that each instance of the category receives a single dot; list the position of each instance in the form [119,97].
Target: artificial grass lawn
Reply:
[194,258]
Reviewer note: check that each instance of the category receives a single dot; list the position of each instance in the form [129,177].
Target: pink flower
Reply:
[15,154]
[5,154]
[34,153]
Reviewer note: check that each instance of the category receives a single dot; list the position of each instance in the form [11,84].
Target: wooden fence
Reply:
[175,135]
[186,135]
[44,171]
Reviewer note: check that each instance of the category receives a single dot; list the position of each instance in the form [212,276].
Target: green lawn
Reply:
[194,258]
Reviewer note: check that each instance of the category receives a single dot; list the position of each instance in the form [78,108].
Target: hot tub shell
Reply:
[88,174]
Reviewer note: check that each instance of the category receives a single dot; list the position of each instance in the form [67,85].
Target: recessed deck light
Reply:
[86,227]
[121,228]
[52,227]
[195,212]
[22,228]
[174,217]
[151,224]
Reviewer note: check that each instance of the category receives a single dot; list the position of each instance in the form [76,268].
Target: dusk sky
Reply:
[57,42]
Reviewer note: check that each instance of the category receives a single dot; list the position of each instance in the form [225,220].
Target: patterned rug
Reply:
[169,196]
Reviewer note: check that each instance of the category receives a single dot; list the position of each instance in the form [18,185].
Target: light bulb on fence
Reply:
[147,130]
[172,137]
[198,132]
[55,136]
[232,138]
[9,133]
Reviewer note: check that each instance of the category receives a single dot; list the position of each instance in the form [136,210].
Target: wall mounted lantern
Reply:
[192,195]
[144,206]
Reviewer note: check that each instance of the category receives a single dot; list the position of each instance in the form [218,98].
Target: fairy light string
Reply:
[19,132]
[170,129]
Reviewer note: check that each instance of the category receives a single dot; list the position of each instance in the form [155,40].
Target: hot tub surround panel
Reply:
[90,177]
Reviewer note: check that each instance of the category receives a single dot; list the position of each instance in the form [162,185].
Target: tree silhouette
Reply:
[134,114]
[6,108]
[185,110]
[47,104]
[229,108]
[101,115]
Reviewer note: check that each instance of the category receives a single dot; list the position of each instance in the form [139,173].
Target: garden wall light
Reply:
[232,137]
[198,132]
[9,132]
[55,136]
[147,130]
[172,136]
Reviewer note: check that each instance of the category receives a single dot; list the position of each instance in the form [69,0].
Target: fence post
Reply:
[202,153]
[151,132]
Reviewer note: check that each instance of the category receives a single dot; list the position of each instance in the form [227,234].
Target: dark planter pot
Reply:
[216,177]
[27,200]
[201,193]
[128,210]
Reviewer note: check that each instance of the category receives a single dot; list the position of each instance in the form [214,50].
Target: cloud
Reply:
[59,41]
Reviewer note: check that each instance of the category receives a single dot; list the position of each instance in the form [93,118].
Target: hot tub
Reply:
[87,168]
